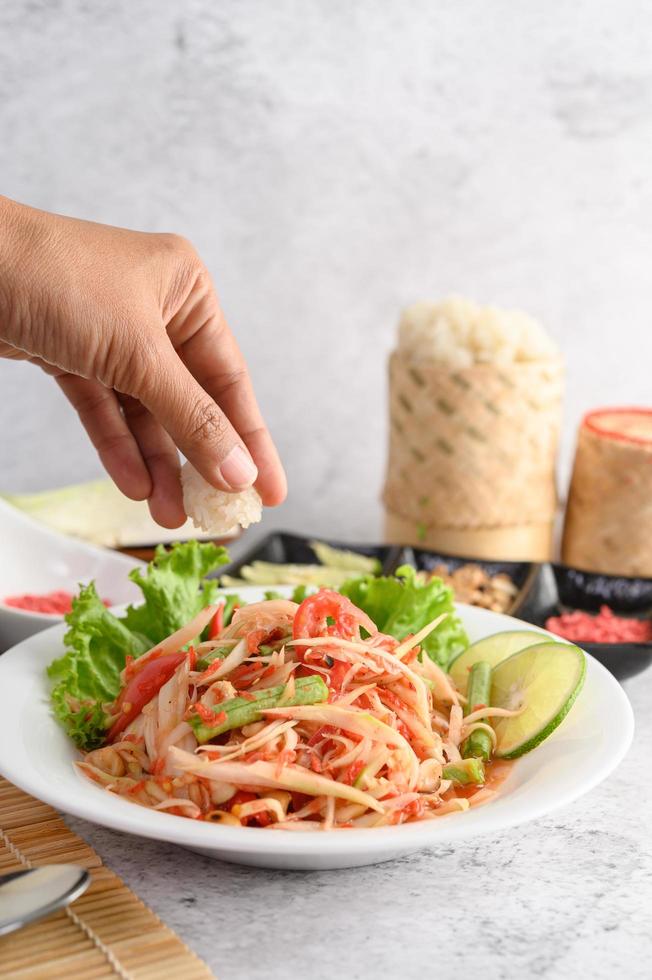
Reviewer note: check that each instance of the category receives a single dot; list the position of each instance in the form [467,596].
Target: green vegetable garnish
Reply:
[465,772]
[336,565]
[492,649]
[478,744]
[175,588]
[403,605]
[344,559]
[242,711]
[88,675]
[541,683]
[97,643]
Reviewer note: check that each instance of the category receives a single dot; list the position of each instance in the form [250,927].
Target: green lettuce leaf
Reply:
[402,605]
[174,588]
[300,593]
[87,676]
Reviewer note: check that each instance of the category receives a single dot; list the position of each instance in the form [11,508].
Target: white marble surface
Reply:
[333,161]
[564,897]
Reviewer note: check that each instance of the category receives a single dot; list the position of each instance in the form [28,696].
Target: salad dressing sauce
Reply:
[496,772]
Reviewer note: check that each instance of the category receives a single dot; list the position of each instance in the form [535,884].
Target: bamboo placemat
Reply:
[108,932]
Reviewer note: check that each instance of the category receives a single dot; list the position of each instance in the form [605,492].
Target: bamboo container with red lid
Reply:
[608,525]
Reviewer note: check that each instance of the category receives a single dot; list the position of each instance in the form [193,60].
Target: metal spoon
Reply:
[26,896]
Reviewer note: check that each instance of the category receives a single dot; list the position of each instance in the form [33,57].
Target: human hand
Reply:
[130,326]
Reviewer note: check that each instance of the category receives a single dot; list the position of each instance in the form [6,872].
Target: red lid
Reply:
[632,425]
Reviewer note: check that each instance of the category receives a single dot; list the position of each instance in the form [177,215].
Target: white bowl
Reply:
[37,560]
[37,756]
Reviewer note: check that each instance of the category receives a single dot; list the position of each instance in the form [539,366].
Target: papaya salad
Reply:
[323,711]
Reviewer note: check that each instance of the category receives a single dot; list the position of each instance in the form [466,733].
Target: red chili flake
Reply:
[136,788]
[158,767]
[246,695]
[315,764]
[338,672]
[402,729]
[242,796]
[321,733]
[207,715]
[390,794]
[286,757]
[412,810]
[192,657]
[604,627]
[208,673]
[246,672]
[390,699]
[254,639]
[350,774]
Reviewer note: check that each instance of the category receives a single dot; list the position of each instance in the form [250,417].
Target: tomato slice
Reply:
[216,624]
[141,688]
[338,672]
[313,615]
[261,636]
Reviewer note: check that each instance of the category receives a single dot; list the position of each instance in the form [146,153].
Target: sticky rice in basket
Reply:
[475,409]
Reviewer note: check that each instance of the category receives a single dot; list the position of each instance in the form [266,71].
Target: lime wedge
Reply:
[492,649]
[544,680]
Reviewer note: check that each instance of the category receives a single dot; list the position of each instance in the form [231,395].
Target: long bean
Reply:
[478,744]
[237,712]
[464,772]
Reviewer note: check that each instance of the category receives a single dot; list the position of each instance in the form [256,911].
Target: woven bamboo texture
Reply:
[608,526]
[474,447]
[106,933]
[524,542]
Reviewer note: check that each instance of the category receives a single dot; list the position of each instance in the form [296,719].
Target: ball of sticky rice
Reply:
[215,511]
[461,333]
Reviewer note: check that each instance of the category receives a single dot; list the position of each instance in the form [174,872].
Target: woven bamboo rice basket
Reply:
[472,452]
[608,526]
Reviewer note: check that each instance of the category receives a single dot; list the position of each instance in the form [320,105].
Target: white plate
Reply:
[37,756]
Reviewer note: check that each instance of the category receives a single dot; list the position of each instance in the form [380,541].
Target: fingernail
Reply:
[238,469]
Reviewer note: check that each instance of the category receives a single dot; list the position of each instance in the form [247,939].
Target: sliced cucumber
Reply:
[492,649]
[544,679]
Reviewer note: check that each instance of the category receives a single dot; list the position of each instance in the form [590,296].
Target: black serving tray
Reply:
[531,597]
[587,591]
[543,589]
[284,548]
[590,590]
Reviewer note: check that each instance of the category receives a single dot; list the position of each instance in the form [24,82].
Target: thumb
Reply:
[198,426]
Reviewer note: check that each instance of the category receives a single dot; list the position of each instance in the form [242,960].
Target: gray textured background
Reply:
[333,161]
